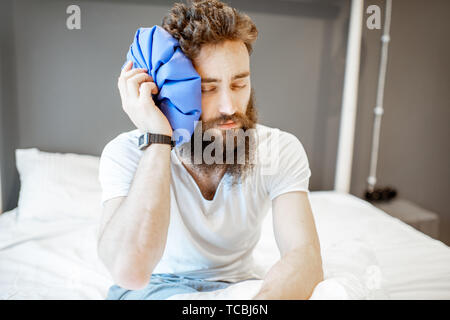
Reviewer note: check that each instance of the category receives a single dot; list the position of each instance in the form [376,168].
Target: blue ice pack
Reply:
[178,82]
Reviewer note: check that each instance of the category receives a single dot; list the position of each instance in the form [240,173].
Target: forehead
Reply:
[223,60]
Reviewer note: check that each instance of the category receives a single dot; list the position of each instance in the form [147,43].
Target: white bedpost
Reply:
[1,194]
[1,135]
[349,99]
[1,191]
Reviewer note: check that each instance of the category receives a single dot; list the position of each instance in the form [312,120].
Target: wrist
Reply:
[158,146]
[147,138]
[166,132]
[156,130]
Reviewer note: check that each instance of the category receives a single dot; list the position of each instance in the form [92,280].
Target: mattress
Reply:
[366,253]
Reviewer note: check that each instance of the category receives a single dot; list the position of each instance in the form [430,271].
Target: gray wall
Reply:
[414,149]
[8,107]
[59,92]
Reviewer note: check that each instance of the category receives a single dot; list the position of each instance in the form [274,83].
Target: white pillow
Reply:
[57,186]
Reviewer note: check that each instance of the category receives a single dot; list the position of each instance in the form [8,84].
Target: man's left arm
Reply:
[299,269]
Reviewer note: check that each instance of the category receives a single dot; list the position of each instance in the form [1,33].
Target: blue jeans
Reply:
[164,285]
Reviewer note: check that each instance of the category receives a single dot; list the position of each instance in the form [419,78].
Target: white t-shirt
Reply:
[213,239]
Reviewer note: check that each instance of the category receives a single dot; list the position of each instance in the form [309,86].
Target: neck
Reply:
[206,179]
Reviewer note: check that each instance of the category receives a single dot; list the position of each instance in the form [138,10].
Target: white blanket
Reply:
[367,254]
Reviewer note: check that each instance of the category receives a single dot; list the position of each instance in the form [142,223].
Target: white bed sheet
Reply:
[413,265]
[361,246]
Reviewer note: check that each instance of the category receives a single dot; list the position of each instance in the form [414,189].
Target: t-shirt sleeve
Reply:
[292,171]
[118,163]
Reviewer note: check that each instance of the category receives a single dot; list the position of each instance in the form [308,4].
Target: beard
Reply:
[233,149]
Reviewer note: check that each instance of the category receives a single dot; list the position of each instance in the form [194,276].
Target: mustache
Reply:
[238,118]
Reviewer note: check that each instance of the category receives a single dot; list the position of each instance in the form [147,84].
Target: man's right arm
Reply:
[133,230]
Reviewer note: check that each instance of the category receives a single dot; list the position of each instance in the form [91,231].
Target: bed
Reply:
[48,248]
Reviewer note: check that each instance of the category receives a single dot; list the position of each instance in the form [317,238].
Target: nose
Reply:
[226,105]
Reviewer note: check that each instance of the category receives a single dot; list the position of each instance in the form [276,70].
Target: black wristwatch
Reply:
[148,138]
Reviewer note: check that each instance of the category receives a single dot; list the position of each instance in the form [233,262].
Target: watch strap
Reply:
[148,138]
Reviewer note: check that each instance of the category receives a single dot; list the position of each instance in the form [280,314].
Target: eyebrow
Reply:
[237,76]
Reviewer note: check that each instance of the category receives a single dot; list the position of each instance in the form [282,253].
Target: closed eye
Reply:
[208,90]
[212,89]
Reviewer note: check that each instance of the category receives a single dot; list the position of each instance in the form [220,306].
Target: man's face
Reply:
[225,72]
[227,106]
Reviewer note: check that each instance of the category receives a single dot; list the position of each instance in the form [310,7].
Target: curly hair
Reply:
[202,22]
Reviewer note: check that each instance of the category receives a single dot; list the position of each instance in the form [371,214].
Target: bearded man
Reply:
[175,222]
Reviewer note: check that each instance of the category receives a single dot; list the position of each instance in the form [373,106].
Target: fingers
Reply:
[126,75]
[127,72]
[131,87]
[146,90]
[134,82]
[127,66]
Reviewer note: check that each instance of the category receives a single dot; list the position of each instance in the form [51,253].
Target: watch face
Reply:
[141,140]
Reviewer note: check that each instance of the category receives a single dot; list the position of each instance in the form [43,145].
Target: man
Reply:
[171,225]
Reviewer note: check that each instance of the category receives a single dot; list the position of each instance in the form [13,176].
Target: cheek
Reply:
[244,98]
[207,109]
